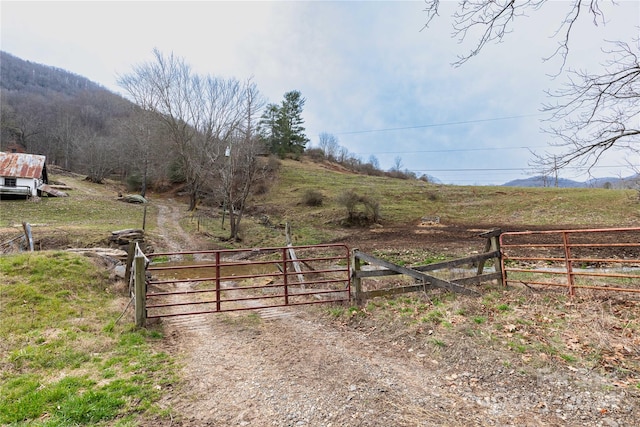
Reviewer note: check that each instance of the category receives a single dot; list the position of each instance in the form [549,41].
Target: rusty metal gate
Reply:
[597,259]
[198,282]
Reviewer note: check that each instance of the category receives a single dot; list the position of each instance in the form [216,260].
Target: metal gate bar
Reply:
[575,258]
[334,281]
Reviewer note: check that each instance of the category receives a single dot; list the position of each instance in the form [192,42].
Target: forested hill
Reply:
[20,75]
[76,123]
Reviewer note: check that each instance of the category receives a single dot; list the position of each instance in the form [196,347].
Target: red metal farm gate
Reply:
[198,282]
[597,259]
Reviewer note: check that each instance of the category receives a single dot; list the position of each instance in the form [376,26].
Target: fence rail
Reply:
[422,273]
[596,259]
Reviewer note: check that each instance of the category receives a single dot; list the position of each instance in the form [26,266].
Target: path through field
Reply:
[295,368]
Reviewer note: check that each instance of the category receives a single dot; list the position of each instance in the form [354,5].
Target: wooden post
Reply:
[144,218]
[356,281]
[292,254]
[127,272]
[493,245]
[140,292]
[497,261]
[27,234]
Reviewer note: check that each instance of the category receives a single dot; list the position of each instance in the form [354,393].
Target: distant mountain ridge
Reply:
[21,75]
[631,181]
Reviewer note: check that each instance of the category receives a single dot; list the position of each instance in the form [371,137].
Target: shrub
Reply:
[350,200]
[372,208]
[312,198]
[315,154]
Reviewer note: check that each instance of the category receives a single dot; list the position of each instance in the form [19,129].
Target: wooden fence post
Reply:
[27,234]
[495,246]
[131,253]
[356,281]
[140,292]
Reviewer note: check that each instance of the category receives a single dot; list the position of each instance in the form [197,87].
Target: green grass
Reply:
[404,201]
[64,360]
[85,218]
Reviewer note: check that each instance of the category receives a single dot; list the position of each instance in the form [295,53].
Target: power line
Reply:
[466,122]
[452,150]
[505,169]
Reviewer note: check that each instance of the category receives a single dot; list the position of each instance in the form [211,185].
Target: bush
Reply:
[273,164]
[372,208]
[315,154]
[312,198]
[350,200]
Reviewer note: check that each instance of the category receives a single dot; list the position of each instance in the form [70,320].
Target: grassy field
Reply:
[84,219]
[406,201]
[87,217]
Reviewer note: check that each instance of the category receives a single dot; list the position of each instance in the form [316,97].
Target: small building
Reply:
[22,174]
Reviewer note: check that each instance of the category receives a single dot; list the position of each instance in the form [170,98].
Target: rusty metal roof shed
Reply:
[22,165]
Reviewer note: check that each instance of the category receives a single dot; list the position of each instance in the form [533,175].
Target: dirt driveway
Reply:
[300,367]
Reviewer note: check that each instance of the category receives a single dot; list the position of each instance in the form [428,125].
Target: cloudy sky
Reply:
[371,75]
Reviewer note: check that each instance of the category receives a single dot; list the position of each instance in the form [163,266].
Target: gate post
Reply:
[493,245]
[355,280]
[140,292]
[131,253]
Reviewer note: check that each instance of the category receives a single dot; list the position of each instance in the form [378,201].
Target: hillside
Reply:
[463,211]
[75,123]
[20,75]
[404,202]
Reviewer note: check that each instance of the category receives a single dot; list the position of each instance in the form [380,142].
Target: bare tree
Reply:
[96,154]
[213,126]
[328,143]
[144,153]
[593,112]
[164,88]
[242,167]
[374,162]
[342,155]
[397,164]
[22,118]
[67,135]
[597,112]
[201,113]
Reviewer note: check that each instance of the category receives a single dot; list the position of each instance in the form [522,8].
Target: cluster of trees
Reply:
[329,149]
[214,129]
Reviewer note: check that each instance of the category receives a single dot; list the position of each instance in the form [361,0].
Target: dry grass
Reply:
[525,328]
